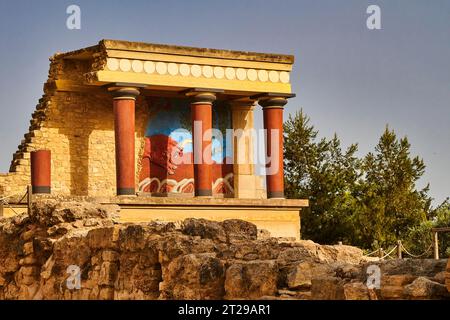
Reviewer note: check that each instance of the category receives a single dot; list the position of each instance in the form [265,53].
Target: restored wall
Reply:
[78,128]
[79,131]
[77,125]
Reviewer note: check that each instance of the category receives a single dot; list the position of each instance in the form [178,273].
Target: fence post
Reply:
[399,249]
[380,253]
[436,245]
[1,209]
[29,198]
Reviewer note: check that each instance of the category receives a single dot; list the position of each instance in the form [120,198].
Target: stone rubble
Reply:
[196,259]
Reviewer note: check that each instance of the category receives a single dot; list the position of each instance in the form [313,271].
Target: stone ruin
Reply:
[193,259]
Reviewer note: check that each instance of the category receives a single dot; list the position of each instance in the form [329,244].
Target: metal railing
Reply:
[5,201]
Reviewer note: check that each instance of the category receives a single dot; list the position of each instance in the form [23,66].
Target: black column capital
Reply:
[124,93]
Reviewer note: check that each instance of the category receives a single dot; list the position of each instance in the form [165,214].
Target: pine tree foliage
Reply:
[370,201]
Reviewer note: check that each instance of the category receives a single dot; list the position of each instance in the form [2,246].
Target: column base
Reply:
[275,195]
[41,189]
[126,191]
[203,193]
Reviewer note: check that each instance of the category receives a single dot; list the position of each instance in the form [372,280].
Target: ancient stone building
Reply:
[117,122]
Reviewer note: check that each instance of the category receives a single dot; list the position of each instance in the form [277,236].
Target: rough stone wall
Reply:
[196,259]
[78,128]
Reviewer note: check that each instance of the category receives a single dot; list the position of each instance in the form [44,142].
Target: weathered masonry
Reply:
[119,121]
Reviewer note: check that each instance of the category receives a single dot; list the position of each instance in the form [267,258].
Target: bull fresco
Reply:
[167,161]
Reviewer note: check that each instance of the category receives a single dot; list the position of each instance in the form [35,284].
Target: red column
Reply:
[41,171]
[124,128]
[273,123]
[201,112]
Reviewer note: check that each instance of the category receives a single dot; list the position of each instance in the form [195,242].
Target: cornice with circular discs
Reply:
[197,70]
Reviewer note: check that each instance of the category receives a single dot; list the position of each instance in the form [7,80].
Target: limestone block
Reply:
[194,276]
[110,256]
[108,273]
[392,285]
[30,270]
[327,288]
[357,291]
[28,248]
[424,288]
[30,260]
[106,293]
[251,280]
[302,274]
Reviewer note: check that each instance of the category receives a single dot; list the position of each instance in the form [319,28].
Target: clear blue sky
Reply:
[348,79]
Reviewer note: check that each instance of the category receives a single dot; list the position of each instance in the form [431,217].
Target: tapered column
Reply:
[41,171]
[124,129]
[201,111]
[273,124]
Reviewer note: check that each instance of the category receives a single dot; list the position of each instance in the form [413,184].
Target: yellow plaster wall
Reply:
[279,222]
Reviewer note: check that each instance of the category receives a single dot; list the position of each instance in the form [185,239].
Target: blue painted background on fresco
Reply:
[172,117]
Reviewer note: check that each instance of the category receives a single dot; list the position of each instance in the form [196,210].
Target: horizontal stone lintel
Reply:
[143,200]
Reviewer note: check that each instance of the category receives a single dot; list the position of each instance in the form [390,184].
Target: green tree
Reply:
[301,154]
[369,202]
[322,172]
[389,203]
